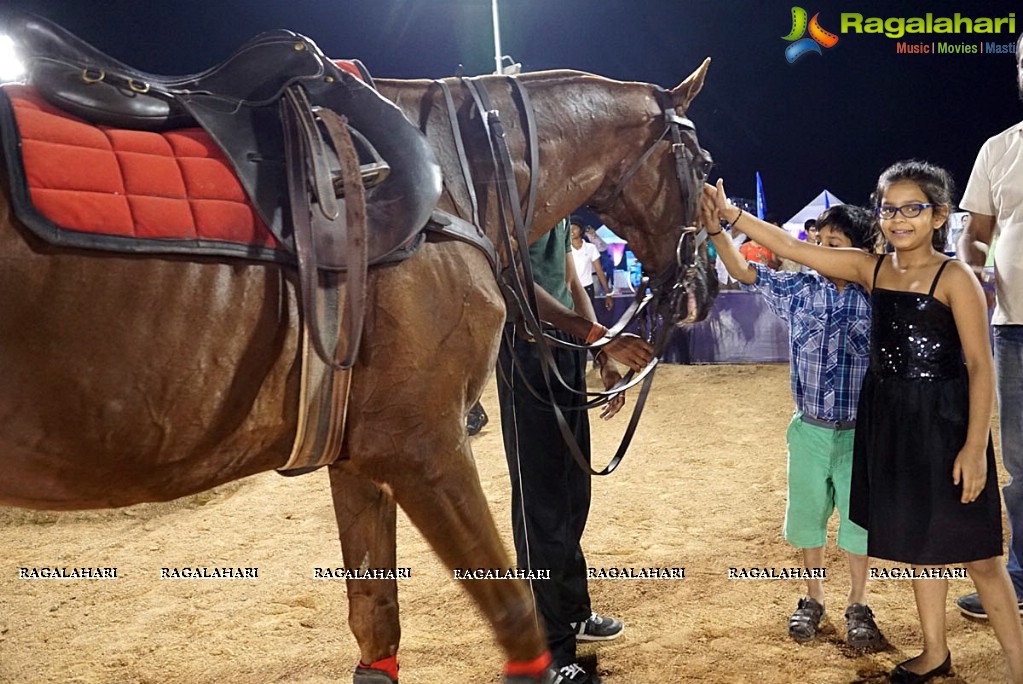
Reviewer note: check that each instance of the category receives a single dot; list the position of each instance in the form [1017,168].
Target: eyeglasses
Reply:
[911,210]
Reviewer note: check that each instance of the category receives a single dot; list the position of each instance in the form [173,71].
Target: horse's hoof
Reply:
[366,675]
[476,419]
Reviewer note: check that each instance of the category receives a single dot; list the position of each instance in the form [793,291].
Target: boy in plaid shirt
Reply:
[829,338]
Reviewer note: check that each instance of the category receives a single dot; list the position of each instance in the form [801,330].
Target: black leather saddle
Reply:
[239,103]
[338,174]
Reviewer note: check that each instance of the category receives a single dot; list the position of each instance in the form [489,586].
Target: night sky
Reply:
[830,120]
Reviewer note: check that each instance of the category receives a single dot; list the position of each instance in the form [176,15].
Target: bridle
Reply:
[669,290]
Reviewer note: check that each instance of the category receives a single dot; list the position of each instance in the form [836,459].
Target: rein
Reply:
[668,291]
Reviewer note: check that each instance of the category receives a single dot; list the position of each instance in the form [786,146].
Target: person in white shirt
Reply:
[994,198]
[606,262]
[587,261]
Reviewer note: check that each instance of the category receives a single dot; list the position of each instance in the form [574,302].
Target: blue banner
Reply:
[761,202]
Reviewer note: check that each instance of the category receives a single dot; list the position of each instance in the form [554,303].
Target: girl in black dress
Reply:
[924,481]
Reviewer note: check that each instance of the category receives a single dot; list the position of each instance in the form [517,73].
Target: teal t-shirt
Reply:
[547,257]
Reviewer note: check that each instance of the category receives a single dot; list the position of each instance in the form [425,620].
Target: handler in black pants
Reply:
[550,492]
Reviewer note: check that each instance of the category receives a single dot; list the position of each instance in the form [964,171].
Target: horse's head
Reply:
[651,197]
[625,150]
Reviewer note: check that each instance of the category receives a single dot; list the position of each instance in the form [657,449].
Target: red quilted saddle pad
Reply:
[80,185]
[175,185]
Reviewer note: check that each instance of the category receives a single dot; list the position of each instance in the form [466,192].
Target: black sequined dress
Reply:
[911,422]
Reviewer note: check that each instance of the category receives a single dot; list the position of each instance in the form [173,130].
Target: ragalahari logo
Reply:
[818,36]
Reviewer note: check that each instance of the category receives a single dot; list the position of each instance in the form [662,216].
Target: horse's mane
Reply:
[550,77]
[618,100]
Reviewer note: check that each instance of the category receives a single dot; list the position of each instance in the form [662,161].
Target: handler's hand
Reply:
[631,350]
[970,468]
[610,376]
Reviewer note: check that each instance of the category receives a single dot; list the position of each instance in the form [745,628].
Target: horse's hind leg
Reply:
[366,526]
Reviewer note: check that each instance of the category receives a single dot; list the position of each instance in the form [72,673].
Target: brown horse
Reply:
[127,379]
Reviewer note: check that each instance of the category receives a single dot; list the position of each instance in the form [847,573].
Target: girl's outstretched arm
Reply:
[969,307]
[853,265]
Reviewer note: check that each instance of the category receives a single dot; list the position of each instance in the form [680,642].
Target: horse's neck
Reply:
[571,166]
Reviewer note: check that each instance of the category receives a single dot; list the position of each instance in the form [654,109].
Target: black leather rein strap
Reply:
[517,279]
[519,274]
[463,160]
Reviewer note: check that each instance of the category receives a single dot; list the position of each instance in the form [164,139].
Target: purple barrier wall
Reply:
[740,329]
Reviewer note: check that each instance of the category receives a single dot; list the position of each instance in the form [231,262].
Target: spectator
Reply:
[587,260]
[829,335]
[994,198]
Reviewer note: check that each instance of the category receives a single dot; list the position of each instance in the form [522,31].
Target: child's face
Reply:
[910,233]
[829,237]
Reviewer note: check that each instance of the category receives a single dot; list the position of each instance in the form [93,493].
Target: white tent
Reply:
[605,234]
[811,211]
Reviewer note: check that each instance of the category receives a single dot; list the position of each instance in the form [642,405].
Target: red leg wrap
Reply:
[388,665]
[528,668]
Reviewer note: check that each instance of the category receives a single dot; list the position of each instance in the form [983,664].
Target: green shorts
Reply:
[820,470]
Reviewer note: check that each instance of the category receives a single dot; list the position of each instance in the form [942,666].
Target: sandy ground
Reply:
[703,488]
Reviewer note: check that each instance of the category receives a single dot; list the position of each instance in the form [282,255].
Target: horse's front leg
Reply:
[442,496]
[366,526]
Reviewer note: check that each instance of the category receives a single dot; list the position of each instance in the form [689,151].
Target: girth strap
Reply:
[443,224]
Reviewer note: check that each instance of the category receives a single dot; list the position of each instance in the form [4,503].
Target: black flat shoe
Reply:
[901,675]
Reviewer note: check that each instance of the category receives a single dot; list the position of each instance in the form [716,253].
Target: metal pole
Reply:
[497,37]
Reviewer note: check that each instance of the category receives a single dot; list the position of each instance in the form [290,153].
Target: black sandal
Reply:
[806,621]
[861,631]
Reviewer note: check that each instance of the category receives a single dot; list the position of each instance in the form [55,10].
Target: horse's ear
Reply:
[685,92]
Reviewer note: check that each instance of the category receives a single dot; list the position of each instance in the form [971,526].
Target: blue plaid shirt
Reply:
[829,339]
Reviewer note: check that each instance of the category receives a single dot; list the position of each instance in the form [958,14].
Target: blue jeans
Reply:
[1009,374]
